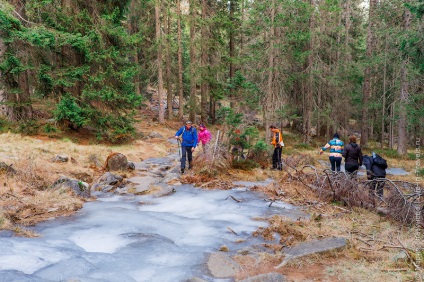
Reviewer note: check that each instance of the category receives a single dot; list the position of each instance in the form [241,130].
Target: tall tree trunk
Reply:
[308,96]
[170,95]
[159,62]
[192,102]
[383,106]
[347,23]
[180,64]
[366,90]
[3,100]
[204,62]
[232,51]
[403,97]
[269,105]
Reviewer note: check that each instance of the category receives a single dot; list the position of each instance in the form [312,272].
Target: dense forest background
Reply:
[318,66]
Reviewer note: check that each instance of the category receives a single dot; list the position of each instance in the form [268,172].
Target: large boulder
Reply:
[312,247]
[81,189]
[222,266]
[118,161]
[108,182]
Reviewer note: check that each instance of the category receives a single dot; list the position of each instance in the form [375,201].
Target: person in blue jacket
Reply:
[189,142]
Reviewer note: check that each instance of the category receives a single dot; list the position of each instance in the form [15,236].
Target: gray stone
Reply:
[268,277]
[80,188]
[155,134]
[117,162]
[60,159]
[312,247]
[110,179]
[164,191]
[401,256]
[7,168]
[196,279]
[130,166]
[222,266]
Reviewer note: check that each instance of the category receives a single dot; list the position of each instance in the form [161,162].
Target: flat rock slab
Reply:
[222,266]
[268,277]
[312,247]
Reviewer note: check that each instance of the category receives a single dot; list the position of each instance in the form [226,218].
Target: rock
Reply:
[401,256]
[130,166]
[195,279]
[110,179]
[80,188]
[116,162]
[222,266]
[155,134]
[7,168]
[312,247]
[60,159]
[224,248]
[268,277]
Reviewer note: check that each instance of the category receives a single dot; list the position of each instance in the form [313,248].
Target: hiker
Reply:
[336,149]
[353,155]
[277,141]
[376,169]
[204,137]
[188,144]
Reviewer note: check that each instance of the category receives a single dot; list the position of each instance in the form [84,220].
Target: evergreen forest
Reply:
[317,65]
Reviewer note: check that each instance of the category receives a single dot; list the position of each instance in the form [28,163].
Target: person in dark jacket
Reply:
[188,144]
[376,170]
[353,155]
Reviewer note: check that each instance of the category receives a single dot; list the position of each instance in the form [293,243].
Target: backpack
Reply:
[379,161]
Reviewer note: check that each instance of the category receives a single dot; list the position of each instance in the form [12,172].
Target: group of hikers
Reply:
[375,165]
[189,142]
[352,153]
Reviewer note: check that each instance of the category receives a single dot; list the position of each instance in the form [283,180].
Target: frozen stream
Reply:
[139,238]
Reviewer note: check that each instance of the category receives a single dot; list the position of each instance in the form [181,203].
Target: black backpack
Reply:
[379,161]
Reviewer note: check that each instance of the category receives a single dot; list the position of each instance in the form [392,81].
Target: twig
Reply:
[232,230]
[417,267]
[238,201]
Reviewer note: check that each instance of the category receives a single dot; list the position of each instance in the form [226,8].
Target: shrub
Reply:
[28,127]
[48,128]
[244,164]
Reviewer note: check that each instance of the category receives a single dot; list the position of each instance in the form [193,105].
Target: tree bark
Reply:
[192,102]
[3,100]
[180,64]
[403,97]
[366,90]
[232,52]
[308,96]
[168,64]
[204,62]
[159,62]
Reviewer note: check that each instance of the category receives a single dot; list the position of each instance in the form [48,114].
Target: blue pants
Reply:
[335,163]
[186,152]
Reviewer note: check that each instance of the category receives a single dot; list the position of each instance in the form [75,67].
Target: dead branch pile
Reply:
[403,201]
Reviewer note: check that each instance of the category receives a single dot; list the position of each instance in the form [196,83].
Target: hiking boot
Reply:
[182,171]
[190,166]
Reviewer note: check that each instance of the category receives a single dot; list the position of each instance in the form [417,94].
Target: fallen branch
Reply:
[238,201]
[232,230]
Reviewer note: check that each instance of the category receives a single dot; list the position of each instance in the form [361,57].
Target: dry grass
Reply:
[25,197]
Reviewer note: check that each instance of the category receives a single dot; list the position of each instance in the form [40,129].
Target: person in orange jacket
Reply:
[277,141]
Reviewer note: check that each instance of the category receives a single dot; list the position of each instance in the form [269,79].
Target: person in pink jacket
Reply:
[204,136]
